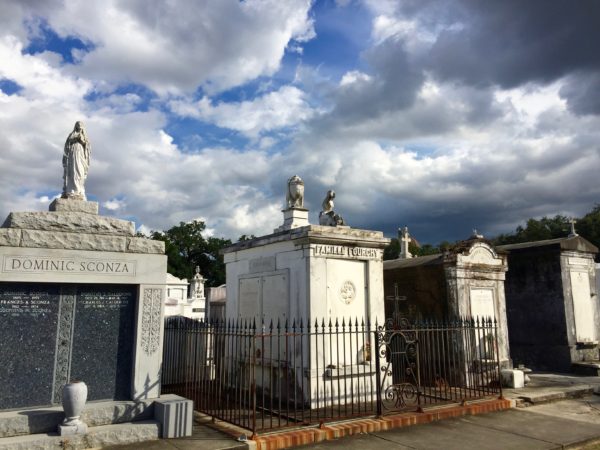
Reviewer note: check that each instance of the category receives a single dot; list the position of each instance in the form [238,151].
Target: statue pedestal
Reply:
[71,205]
[293,218]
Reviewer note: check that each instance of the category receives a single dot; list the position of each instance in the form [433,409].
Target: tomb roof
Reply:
[573,243]
[426,260]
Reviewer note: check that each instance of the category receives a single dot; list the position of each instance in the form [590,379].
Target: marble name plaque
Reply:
[70,265]
[20,303]
[346,252]
[28,317]
[103,335]
[267,264]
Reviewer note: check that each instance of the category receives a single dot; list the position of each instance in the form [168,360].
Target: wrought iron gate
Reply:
[435,362]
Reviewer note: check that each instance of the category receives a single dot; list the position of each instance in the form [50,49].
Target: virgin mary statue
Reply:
[76,161]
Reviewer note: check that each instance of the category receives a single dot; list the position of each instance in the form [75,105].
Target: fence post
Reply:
[378,374]
[501,397]
[253,362]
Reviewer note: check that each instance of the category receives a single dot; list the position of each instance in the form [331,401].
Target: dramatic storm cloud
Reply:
[442,115]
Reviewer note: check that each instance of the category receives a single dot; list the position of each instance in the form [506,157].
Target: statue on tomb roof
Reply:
[76,161]
[327,216]
[295,192]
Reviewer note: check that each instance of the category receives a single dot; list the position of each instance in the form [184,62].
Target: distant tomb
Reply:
[552,304]
[180,303]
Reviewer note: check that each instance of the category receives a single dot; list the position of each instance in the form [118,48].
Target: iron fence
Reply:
[268,376]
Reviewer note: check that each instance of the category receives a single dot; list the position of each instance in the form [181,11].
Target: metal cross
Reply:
[396,299]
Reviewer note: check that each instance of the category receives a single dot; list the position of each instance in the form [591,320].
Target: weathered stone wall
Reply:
[535,309]
[424,288]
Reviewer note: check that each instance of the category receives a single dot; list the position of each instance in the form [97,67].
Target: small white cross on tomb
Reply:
[573,233]
[404,242]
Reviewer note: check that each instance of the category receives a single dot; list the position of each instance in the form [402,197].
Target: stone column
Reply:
[148,342]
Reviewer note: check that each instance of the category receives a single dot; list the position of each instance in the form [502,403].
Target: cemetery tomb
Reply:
[552,304]
[79,299]
[465,281]
[308,272]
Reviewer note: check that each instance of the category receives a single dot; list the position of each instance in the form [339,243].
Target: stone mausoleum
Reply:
[308,272]
[81,298]
[304,270]
[552,304]
[467,280]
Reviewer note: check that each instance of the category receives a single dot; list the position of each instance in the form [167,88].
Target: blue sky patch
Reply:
[9,87]
[46,39]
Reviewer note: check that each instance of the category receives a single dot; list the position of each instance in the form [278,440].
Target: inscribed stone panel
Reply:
[346,300]
[103,340]
[482,303]
[582,305]
[482,307]
[28,318]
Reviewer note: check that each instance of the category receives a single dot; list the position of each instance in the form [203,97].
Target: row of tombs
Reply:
[83,297]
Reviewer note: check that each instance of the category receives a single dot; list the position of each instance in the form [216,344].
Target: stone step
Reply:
[590,368]
[549,395]
[97,437]
[95,414]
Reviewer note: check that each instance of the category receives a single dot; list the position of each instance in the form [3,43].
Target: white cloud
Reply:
[285,107]
[174,47]
[354,76]
[114,204]
[446,154]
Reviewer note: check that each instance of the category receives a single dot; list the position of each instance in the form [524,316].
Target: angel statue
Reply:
[327,216]
[76,161]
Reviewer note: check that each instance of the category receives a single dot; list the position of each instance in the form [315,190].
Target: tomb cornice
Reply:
[316,234]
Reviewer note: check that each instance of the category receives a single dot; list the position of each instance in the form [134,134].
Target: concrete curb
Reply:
[304,436]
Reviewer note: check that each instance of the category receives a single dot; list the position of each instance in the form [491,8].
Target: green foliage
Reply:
[186,248]
[558,226]
[392,251]
[589,226]
[537,230]
[427,249]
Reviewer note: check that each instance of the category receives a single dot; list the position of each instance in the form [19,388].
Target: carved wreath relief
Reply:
[151,320]
[348,292]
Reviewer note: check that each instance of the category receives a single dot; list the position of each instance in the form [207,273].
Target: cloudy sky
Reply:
[440,115]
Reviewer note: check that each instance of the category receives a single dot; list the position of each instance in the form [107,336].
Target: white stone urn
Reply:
[74,396]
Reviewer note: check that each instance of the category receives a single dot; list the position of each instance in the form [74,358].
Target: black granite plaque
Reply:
[103,340]
[28,327]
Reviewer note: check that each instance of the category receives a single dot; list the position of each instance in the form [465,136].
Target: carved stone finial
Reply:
[476,234]
[573,233]
[404,242]
[76,161]
[327,216]
[295,192]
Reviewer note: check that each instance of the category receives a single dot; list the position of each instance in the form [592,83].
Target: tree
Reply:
[558,226]
[392,250]
[186,248]
[537,230]
[589,226]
